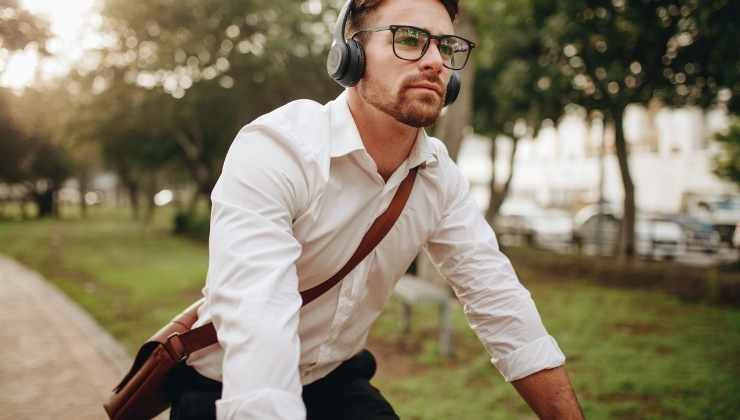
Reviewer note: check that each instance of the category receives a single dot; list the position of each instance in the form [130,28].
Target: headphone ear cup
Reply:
[355,64]
[453,88]
[336,61]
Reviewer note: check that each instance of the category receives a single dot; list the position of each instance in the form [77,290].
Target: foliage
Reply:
[29,155]
[617,53]
[19,28]
[180,86]
[727,163]
[192,225]
[13,150]
[512,83]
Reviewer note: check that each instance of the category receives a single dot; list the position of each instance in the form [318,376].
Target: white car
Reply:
[659,239]
[597,233]
[522,221]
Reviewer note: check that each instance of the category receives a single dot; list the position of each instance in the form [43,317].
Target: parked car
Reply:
[596,232]
[700,236]
[524,222]
[659,239]
[722,211]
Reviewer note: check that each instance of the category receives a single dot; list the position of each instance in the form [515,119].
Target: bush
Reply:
[711,285]
[196,226]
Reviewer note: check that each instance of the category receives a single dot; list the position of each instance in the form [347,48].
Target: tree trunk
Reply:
[498,195]
[44,202]
[202,172]
[23,203]
[626,242]
[133,195]
[451,127]
[150,190]
[84,183]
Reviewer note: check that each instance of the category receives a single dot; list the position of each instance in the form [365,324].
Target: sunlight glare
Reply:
[74,26]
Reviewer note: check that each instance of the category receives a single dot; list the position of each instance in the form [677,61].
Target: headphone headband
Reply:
[341,26]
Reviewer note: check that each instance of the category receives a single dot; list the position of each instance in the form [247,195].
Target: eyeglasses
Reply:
[411,43]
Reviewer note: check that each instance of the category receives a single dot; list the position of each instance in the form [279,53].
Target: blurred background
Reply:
[601,140]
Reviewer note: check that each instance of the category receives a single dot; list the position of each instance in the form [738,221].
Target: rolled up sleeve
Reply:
[252,284]
[498,307]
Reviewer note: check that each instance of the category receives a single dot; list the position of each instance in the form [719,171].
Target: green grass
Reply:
[131,277]
[631,353]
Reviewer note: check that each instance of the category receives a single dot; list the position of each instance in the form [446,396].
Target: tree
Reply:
[616,53]
[515,91]
[727,163]
[13,149]
[19,29]
[29,157]
[206,68]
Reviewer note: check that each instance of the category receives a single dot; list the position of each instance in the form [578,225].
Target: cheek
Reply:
[382,67]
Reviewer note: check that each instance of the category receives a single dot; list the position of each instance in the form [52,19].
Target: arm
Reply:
[550,395]
[252,285]
[499,309]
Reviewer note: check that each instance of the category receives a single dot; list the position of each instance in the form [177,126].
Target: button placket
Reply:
[341,315]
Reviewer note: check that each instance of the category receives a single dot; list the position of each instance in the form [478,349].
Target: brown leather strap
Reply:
[205,335]
[372,238]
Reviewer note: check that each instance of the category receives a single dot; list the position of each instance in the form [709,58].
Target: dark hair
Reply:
[361,9]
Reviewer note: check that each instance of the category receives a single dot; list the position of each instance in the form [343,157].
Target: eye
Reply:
[453,46]
[409,41]
[408,37]
[446,49]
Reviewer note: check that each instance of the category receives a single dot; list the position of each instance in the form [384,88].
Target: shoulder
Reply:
[444,167]
[302,124]
[284,146]
[445,174]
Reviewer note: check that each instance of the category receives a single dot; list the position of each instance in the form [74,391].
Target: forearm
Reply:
[550,395]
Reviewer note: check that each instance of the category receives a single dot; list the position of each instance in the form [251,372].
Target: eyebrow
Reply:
[375,28]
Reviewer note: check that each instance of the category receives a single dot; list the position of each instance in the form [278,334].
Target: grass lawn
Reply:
[631,354]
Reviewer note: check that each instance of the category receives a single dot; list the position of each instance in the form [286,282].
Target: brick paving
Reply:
[55,361]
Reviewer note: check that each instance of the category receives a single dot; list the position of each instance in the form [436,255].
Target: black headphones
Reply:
[346,60]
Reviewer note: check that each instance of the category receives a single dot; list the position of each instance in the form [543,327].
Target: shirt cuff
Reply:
[265,404]
[540,354]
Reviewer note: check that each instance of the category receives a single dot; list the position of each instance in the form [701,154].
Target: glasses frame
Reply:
[430,37]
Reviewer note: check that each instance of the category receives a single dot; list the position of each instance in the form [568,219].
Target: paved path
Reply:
[55,361]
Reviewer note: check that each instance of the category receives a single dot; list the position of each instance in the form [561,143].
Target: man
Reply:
[299,189]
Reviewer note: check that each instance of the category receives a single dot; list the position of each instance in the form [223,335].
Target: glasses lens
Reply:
[454,51]
[409,43]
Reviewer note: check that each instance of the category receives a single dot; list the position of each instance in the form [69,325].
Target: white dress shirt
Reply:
[297,193]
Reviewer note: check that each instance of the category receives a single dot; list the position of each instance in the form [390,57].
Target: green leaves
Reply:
[727,163]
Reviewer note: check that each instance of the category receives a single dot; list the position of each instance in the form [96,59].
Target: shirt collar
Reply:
[346,138]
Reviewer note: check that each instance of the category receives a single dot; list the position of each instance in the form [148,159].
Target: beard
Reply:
[416,108]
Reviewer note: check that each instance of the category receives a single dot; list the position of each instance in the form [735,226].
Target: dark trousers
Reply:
[344,394]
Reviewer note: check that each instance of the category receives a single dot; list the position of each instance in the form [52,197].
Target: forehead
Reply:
[428,14]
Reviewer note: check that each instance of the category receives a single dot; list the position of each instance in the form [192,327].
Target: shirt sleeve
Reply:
[252,284]
[499,309]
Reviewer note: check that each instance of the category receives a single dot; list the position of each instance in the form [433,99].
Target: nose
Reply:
[432,59]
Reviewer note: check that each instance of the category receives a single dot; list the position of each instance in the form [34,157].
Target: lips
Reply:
[429,86]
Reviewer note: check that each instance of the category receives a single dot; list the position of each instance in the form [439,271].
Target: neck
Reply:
[388,141]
